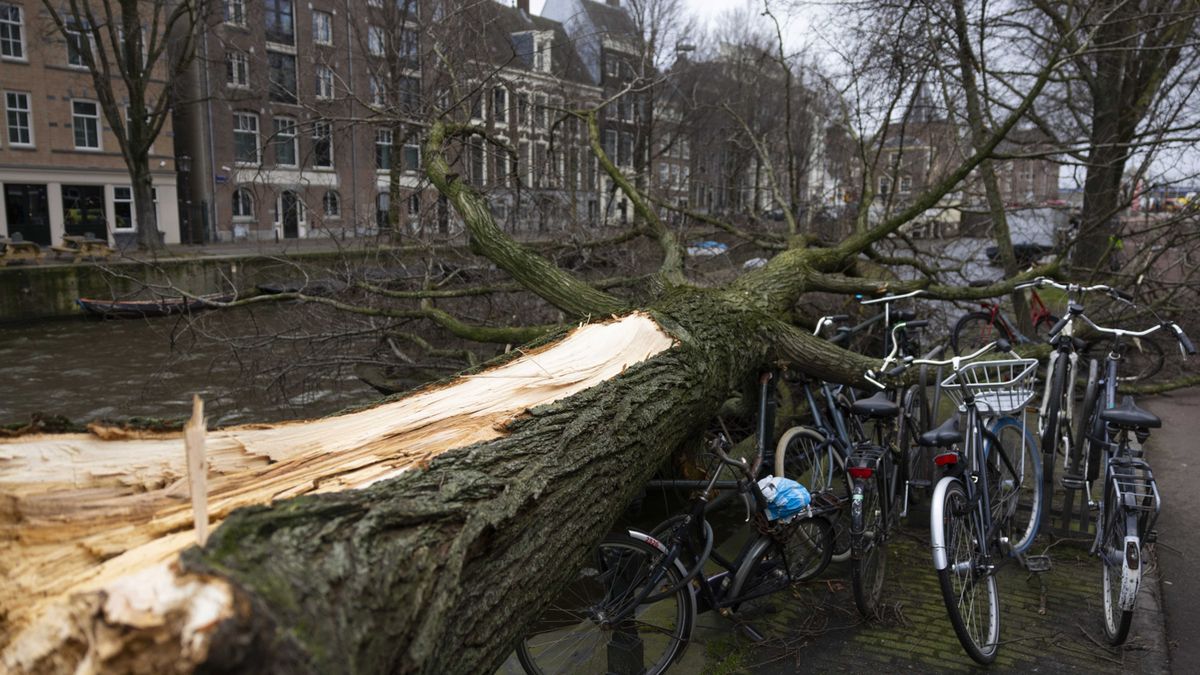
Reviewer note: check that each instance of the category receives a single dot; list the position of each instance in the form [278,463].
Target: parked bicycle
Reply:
[632,606]
[978,328]
[1129,501]
[986,507]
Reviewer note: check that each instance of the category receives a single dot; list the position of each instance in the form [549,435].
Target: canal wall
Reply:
[45,291]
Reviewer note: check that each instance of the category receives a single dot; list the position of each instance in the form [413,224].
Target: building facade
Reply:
[61,169]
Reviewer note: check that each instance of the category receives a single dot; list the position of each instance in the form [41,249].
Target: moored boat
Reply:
[162,306]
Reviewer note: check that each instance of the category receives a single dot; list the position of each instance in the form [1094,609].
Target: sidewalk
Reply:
[1176,461]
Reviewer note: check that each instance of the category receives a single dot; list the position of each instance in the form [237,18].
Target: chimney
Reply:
[523,5]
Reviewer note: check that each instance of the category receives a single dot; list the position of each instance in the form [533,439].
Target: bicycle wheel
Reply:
[807,546]
[970,592]
[1116,525]
[868,560]
[914,420]
[1017,495]
[803,456]
[1050,421]
[973,331]
[572,636]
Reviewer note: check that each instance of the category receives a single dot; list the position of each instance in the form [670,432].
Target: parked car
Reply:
[1035,233]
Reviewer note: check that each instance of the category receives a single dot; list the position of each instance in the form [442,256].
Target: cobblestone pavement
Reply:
[1049,625]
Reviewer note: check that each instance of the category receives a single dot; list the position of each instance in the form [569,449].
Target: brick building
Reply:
[61,169]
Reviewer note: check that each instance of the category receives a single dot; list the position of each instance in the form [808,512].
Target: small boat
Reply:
[162,306]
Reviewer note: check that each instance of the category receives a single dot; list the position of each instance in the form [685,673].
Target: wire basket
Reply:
[999,387]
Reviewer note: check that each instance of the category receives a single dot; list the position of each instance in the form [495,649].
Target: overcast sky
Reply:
[705,10]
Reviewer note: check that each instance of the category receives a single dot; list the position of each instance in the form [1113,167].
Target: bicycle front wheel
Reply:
[1016,481]
[968,587]
[868,560]
[1116,526]
[575,633]
[1050,422]
[803,455]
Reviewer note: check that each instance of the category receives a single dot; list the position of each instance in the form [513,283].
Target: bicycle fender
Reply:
[937,542]
[660,547]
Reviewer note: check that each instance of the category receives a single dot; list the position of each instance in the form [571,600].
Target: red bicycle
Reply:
[976,329]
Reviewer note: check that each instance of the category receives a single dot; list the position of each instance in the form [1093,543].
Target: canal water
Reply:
[260,365]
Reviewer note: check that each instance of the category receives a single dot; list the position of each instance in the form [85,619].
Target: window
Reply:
[409,47]
[378,92]
[414,204]
[85,120]
[625,108]
[322,28]
[610,144]
[243,204]
[522,109]
[539,113]
[541,54]
[123,208]
[284,141]
[245,138]
[410,93]
[412,155]
[476,162]
[383,149]
[12,33]
[235,12]
[79,41]
[375,40]
[502,168]
[885,185]
[16,106]
[324,82]
[477,108]
[905,184]
[322,145]
[382,204]
[279,21]
[282,77]
[333,204]
[500,105]
[237,69]
[625,152]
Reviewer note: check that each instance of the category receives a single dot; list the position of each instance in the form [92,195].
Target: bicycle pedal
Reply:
[750,633]
[1037,563]
[1072,483]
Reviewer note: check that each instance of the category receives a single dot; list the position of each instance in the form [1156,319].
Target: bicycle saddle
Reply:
[1129,416]
[942,437]
[877,406]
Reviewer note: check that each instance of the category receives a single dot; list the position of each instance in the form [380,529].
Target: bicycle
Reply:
[989,492]
[975,329]
[1129,499]
[631,609]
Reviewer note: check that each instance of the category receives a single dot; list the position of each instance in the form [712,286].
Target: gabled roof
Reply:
[608,19]
[502,22]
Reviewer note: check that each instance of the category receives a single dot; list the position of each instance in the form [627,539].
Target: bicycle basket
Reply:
[999,387]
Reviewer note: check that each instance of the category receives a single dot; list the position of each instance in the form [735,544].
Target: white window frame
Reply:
[237,18]
[75,116]
[17,26]
[905,184]
[404,149]
[500,105]
[80,29]
[127,199]
[246,200]
[27,111]
[885,185]
[238,117]
[322,28]
[336,212]
[324,77]
[328,126]
[378,91]
[375,41]
[237,67]
[384,137]
[284,127]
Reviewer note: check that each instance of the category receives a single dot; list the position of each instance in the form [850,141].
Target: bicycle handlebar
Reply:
[890,298]
[829,321]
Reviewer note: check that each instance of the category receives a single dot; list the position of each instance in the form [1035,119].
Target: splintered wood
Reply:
[78,512]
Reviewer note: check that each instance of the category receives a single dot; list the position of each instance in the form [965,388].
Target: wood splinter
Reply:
[193,441]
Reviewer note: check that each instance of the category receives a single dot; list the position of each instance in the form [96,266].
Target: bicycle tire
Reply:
[868,560]
[974,330]
[1050,422]
[797,456]
[914,416]
[978,634]
[567,638]
[1112,546]
[1088,453]
[1016,499]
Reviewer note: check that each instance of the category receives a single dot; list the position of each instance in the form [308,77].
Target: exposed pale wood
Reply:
[77,512]
[193,441]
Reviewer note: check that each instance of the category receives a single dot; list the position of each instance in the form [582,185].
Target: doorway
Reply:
[289,206]
[28,211]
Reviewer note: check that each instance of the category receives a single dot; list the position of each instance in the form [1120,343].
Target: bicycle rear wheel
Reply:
[1116,526]
[1143,358]
[1017,494]
[803,456]
[572,634]
[973,331]
[868,560]
[968,589]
